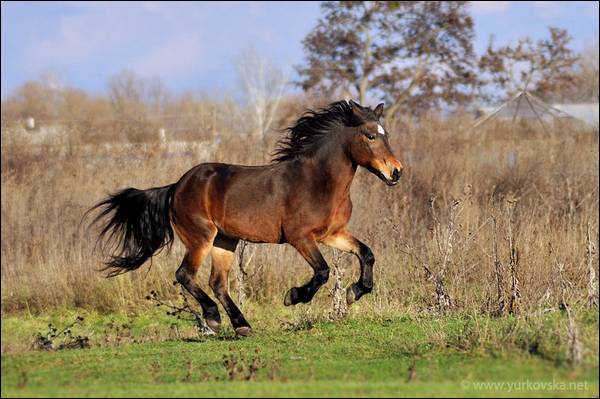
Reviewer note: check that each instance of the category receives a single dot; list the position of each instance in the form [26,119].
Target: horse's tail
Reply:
[138,225]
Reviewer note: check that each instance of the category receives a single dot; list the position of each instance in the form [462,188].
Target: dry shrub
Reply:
[524,197]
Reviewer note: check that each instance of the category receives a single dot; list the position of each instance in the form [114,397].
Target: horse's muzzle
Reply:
[393,179]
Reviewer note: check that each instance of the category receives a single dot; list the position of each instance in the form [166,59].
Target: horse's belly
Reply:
[251,219]
[250,229]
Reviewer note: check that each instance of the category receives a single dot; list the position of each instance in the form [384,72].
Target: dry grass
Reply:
[495,220]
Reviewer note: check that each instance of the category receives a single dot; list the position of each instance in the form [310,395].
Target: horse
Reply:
[302,197]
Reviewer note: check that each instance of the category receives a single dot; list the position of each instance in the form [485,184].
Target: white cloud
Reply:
[549,9]
[256,9]
[176,56]
[149,36]
[487,7]
[92,32]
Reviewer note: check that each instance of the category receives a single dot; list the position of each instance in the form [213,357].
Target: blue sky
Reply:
[193,46]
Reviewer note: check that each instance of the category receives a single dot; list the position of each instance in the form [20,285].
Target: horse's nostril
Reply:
[396,174]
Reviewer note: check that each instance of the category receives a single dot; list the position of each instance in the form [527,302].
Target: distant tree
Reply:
[49,98]
[29,100]
[543,68]
[411,54]
[586,74]
[132,96]
[265,85]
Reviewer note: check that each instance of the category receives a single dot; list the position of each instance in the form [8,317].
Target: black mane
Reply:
[314,125]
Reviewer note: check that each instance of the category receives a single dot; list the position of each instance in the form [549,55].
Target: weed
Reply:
[155,370]
[239,367]
[338,301]
[177,311]
[590,252]
[117,334]
[23,380]
[49,340]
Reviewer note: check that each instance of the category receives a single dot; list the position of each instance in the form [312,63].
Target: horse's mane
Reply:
[315,125]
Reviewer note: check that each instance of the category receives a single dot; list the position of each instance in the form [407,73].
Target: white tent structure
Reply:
[586,112]
[524,105]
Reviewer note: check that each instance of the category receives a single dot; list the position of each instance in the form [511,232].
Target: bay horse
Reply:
[301,198]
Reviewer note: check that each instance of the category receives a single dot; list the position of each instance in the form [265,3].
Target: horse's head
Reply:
[369,145]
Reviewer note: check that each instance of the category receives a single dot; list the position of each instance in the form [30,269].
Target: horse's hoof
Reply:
[244,331]
[352,294]
[291,298]
[214,325]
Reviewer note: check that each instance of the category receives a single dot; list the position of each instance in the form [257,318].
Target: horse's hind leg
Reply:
[186,275]
[222,257]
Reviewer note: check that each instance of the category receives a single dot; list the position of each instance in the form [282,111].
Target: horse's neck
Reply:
[336,165]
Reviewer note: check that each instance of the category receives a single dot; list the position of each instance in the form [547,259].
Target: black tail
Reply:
[138,225]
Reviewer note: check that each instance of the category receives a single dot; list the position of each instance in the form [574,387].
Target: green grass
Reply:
[376,357]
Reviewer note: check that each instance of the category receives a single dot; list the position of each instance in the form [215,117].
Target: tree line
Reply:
[413,55]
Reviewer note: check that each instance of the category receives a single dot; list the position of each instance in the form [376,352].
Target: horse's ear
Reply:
[379,110]
[356,109]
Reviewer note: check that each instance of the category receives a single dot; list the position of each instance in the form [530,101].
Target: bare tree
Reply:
[265,85]
[542,68]
[51,98]
[585,77]
[135,97]
[411,54]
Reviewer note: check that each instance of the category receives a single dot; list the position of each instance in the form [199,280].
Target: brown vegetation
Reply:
[495,220]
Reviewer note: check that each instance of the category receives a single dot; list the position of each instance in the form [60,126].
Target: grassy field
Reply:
[486,272]
[293,355]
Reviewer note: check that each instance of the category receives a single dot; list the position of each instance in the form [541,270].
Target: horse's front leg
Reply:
[345,241]
[308,248]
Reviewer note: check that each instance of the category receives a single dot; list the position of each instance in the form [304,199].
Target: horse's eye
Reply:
[370,136]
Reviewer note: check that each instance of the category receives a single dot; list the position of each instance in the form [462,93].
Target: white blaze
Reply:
[380,129]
